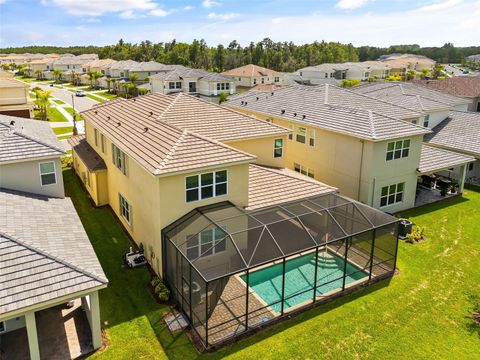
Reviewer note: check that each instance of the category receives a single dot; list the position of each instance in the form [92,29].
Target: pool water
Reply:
[299,276]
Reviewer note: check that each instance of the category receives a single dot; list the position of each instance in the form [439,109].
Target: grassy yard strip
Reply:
[96,98]
[424,312]
[52,115]
[107,95]
[62,130]
[135,327]
[71,112]
[59,102]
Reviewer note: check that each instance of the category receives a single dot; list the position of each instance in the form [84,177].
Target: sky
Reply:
[360,22]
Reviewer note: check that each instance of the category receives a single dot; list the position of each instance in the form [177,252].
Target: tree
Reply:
[42,101]
[95,76]
[58,75]
[410,74]
[425,73]
[133,80]
[438,70]
[39,74]
[222,97]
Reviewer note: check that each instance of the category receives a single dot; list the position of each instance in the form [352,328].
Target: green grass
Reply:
[107,95]
[26,79]
[71,112]
[32,96]
[96,98]
[59,102]
[422,313]
[52,115]
[62,130]
[71,86]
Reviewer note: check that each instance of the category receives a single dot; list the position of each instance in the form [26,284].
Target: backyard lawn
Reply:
[62,130]
[96,98]
[52,115]
[422,313]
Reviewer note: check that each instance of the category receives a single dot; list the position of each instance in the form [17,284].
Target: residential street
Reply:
[81,103]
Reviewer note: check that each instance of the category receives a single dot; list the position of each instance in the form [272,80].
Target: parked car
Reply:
[80,93]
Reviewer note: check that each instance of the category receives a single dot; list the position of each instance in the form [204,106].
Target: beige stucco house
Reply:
[14,99]
[251,75]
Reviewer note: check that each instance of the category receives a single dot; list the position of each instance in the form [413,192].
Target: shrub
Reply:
[350,83]
[416,235]
[162,292]
[222,97]
[394,77]
[155,281]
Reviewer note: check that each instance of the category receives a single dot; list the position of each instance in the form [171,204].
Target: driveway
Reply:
[81,103]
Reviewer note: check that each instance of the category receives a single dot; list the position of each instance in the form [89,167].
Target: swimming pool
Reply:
[299,276]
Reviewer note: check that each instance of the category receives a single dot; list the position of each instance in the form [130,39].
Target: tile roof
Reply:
[251,70]
[458,85]
[142,127]
[99,63]
[88,155]
[333,109]
[269,186]
[436,159]
[181,72]
[404,94]
[149,66]
[8,82]
[459,132]
[27,139]
[45,252]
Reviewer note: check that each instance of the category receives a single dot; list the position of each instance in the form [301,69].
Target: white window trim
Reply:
[116,151]
[297,132]
[54,172]
[95,136]
[103,143]
[199,188]
[213,245]
[120,198]
[426,120]
[305,169]
[292,134]
[311,136]
[395,149]
[395,194]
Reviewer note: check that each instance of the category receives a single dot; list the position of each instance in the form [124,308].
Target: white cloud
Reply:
[188,7]
[440,6]
[227,16]
[3,2]
[210,3]
[351,4]
[159,12]
[126,8]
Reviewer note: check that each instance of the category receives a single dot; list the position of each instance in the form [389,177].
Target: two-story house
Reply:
[47,259]
[368,148]
[205,191]
[14,98]
[251,75]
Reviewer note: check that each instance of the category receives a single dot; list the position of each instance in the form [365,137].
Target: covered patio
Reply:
[441,174]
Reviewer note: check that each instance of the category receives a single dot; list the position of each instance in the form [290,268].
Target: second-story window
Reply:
[398,149]
[301,134]
[276,79]
[119,159]
[205,186]
[102,142]
[292,129]
[95,136]
[311,138]
[47,173]
[278,148]
[426,120]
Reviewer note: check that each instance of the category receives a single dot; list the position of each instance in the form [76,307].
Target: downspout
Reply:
[360,172]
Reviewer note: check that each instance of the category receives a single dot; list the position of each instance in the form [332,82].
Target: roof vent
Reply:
[133,99]
[283,112]
[96,112]
[145,128]
[242,102]
[294,114]
[118,123]
[12,123]
[304,116]
[246,103]
[108,117]
[272,93]
[151,113]
[258,98]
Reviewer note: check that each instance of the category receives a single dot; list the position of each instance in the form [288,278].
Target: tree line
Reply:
[280,56]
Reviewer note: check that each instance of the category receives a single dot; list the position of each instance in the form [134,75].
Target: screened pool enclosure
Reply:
[232,270]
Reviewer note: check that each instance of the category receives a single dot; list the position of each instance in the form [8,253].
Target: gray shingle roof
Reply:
[45,252]
[404,94]
[333,109]
[436,159]
[180,73]
[27,139]
[459,132]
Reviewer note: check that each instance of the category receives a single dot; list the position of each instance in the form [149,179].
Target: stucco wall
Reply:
[25,176]
[263,149]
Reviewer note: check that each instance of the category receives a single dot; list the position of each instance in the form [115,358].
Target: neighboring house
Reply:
[204,190]
[97,65]
[467,87]
[435,106]
[251,75]
[368,148]
[47,259]
[401,63]
[36,68]
[460,132]
[148,68]
[343,71]
[192,81]
[474,58]
[120,69]
[14,98]
[70,65]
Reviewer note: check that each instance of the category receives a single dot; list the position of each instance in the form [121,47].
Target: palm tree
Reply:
[58,74]
[43,101]
[133,79]
[109,81]
[114,85]
[39,74]
[95,76]
[5,67]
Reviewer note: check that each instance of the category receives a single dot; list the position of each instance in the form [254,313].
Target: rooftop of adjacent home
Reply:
[458,85]
[22,138]
[180,72]
[45,251]
[8,82]
[251,70]
[460,131]
[436,159]
[410,95]
[333,109]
